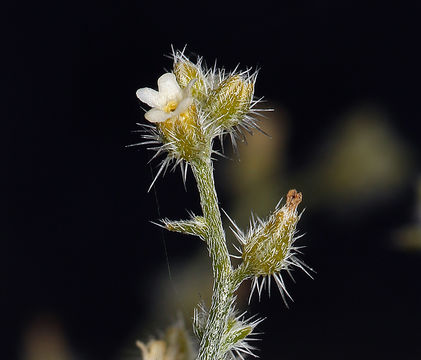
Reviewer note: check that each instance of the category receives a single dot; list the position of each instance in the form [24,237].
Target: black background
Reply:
[77,242]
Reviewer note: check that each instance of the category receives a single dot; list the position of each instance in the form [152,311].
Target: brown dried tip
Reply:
[293,199]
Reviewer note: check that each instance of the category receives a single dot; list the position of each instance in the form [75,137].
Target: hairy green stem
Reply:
[222,297]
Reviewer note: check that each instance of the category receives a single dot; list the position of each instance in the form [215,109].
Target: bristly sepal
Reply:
[238,333]
[230,102]
[268,248]
[185,71]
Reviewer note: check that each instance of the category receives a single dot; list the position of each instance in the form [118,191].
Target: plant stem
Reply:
[222,297]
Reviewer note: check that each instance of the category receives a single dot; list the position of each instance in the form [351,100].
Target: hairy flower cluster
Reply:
[193,105]
[269,246]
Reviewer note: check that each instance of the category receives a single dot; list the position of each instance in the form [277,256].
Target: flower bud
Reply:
[268,247]
[185,71]
[230,102]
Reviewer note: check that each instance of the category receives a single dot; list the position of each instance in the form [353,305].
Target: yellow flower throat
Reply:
[171,106]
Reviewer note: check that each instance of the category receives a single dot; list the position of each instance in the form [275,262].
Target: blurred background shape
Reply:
[44,339]
[363,159]
[408,237]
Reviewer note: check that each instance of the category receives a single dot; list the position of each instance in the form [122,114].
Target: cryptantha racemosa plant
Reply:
[195,105]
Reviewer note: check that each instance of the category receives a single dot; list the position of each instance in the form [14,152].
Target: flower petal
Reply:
[182,106]
[155,115]
[148,96]
[168,88]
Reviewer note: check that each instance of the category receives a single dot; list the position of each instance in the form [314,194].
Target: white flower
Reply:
[169,101]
